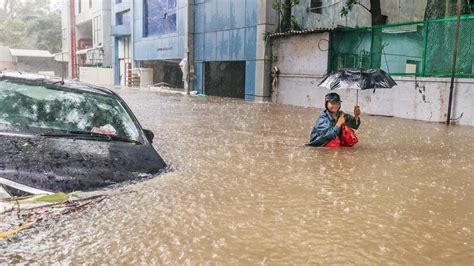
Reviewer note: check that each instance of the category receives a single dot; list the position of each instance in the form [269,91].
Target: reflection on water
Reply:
[244,189]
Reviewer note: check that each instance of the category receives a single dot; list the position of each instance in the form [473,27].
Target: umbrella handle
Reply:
[357,98]
[357,101]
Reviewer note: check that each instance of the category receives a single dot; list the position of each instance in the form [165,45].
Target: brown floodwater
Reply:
[243,189]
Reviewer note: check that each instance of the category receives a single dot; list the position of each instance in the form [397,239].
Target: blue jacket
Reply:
[326,130]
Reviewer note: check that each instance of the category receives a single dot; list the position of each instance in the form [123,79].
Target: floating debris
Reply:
[24,212]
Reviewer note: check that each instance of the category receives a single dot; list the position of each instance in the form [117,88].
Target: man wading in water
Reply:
[329,126]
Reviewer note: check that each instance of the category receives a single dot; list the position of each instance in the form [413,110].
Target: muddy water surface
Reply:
[243,189]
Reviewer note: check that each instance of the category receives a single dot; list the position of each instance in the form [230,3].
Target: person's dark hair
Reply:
[333,98]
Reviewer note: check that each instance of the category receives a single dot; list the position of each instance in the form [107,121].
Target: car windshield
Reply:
[41,109]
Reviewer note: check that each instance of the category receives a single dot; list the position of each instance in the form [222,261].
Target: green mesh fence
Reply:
[416,49]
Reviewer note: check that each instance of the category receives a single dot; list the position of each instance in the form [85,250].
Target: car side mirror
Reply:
[149,135]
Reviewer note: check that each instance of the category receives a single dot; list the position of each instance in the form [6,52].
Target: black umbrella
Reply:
[357,78]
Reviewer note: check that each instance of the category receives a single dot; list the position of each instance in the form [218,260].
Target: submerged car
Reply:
[64,136]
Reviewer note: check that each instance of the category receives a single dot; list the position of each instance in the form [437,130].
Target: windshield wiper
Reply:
[89,135]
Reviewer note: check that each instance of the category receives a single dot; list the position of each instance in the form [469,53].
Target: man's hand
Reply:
[357,111]
[341,121]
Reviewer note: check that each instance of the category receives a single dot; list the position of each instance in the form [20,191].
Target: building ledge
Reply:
[121,30]
[298,32]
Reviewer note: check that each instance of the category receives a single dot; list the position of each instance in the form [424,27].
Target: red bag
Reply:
[348,137]
[334,143]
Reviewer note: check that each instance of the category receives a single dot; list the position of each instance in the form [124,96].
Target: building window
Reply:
[123,18]
[90,4]
[159,17]
[316,6]
[80,6]
[118,1]
[97,37]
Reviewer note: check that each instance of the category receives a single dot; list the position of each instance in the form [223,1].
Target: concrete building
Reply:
[222,41]
[6,59]
[312,14]
[316,44]
[304,57]
[86,33]
[159,29]
[121,41]
[26,60]
[231,56]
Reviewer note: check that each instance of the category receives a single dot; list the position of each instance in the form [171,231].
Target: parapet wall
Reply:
[423,99]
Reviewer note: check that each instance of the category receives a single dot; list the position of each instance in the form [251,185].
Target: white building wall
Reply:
[423,99]
[99,8]
[107,32]
[87,13]
[302,54]
[302,60]
[397,11]
[65,25]
[401,11]
[5,55]
[66,34]
[97,76]
[7,61]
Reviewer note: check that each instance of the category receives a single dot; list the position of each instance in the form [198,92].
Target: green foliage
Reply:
[29,24]
[287,22]
[12,33]
[47,31]
[294,24]
[468,7]
[280,5]
[49,198]
[347,8]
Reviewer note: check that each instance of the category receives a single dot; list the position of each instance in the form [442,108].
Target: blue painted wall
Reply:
[117,32]
[158,47]
[117,8]
[226,30]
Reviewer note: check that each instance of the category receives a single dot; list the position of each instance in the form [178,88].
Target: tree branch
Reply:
[366,8]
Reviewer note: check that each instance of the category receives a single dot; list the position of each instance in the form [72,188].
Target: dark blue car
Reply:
[63,136]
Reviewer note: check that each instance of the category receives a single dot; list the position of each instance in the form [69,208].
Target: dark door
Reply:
[225,79]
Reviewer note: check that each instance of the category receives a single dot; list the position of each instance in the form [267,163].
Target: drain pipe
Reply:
[455,54]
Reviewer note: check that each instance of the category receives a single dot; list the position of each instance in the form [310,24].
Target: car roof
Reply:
[53,82]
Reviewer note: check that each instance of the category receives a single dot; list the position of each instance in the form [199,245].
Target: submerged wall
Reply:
[303,61]
[423,99]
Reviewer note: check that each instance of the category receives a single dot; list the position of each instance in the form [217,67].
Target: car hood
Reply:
[64,164]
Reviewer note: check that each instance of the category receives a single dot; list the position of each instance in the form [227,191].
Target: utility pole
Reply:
[455,54]
[72,38]
[189,45]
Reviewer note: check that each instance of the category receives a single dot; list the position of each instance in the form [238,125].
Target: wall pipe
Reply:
[455,54]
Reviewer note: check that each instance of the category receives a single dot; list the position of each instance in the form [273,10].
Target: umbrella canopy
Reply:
[357,78]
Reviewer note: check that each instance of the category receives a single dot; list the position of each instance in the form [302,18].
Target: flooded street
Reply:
[243,189]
